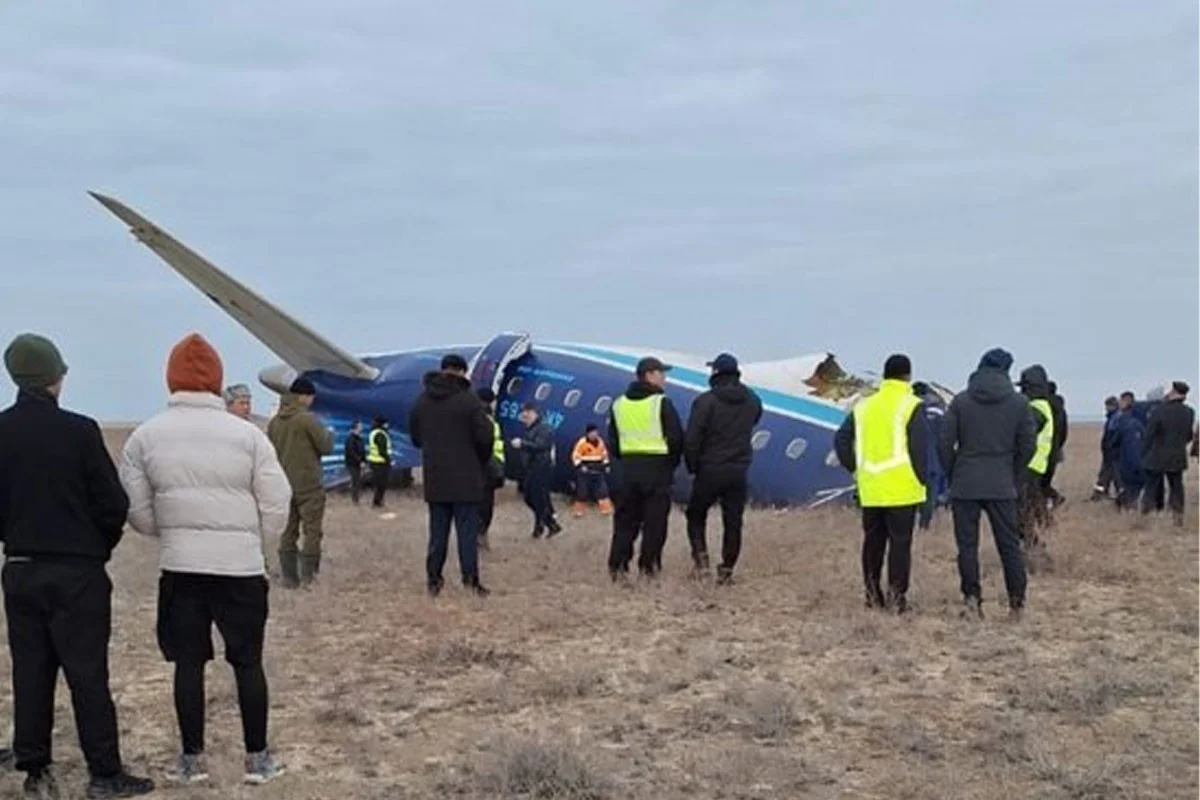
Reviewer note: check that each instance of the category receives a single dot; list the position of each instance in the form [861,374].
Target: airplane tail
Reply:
[298,346]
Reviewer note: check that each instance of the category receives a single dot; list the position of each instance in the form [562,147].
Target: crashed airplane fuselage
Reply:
[804,399]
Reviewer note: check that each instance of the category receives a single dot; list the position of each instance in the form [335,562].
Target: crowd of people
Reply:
[211,487]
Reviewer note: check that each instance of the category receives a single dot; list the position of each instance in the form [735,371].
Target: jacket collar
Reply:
[38,397]
[195,400]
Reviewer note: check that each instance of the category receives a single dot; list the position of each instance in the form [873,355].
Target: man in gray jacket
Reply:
[987,439]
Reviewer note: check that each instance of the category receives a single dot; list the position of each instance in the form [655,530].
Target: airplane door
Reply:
[488,365]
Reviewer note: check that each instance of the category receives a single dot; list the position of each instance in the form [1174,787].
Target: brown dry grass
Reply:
[562,686]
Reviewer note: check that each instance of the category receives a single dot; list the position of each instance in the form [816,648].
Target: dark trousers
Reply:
[726,485]
[590,485]
[535,490]
[487,510]
[1127,496]
[465,517]
[60,615]
[1002,516]
[189,605]
[380,475]
[1152,497]
[1107,477]
[1032,514]
[641,508]
[1048,490]
[887,532]
[355,473]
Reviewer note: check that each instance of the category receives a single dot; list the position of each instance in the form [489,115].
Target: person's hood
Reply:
[989,386]
[640,391]
[728,389]
[290,406]
[442,385]
[1035,383]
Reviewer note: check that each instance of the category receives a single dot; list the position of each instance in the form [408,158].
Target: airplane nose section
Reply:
[277,378]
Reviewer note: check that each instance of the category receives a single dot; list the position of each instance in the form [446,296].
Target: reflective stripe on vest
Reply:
[1045,438]
[639,426]
[374,454]
[883,470]
[497,442]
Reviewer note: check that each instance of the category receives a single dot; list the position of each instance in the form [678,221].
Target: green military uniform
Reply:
[300,440]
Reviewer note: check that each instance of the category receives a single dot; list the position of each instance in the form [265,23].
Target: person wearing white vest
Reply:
[884,443]
[210,487]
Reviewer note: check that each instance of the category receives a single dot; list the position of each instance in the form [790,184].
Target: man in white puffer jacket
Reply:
[210,487]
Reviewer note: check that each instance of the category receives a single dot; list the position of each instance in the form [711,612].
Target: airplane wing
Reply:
[297,345]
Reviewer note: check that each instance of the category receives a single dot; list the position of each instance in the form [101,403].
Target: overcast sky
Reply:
[773,178]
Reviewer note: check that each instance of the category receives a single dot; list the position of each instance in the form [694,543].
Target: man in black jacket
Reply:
[646,437]
[717,451]
[987,440]
[1165,451]
[535,448]
[62,512]
[451,426]
[355,455]
[1058,406]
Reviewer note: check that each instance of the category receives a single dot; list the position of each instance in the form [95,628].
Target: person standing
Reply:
[884,443]
[1165,451]
[987,439]
[646,436]
[300,440]
[379,456]
[536,448]
[1034,510]
[237,400]
[590,460]
[1058,410]
[209,488]
[717,452]
[934,411]
[1127,438]
[493,477]
[1106,479]
[62,513]
[354,455]
[451,426]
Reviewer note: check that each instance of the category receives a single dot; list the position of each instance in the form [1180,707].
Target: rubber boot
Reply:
[309,567]
[289,569]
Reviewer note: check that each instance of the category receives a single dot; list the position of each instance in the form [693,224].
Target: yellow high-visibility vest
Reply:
[1045,439]
[639,426]
[374,453]
[497,442]
[883,470]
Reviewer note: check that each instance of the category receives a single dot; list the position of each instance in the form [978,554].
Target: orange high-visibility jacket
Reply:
[588,453]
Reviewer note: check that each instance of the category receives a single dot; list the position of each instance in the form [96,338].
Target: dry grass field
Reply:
[783,686]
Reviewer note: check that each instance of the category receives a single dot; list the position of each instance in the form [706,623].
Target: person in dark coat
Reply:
[1107,477]
[643,504]
[1126,443]
[717,451]
[1058,405]
[62,513]
[1033,506]
[1165,451]
[493,477]
[536,447]
[933,409]
[379,459]
[987,439]
[451,426]
[354,454]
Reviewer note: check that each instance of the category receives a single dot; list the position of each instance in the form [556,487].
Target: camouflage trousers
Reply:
[307,512]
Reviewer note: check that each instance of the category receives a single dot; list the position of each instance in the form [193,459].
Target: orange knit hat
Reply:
[194,366]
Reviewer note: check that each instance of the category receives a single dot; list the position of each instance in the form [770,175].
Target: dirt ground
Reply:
[783,686]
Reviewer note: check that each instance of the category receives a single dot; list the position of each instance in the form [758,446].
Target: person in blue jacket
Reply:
[1127,449]
[1108,475]
[933,409]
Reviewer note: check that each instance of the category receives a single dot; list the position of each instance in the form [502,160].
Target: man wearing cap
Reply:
[1165,451]
[379,457]
[717,452]
[62,512]
[646,436]
[883,443]
[535,446]
[237,400]
[987,439]
[1108,476]
[451,426]
[300,440]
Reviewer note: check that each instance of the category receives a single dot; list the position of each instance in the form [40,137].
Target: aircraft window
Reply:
[603,404]
[759,440]
[831,460]
[543,391]
[796,448]
[572,398]
[514,386]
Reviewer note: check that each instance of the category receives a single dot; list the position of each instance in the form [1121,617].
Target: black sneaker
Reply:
[537,532]
[120,785]
[972,609]
[554,528]
[476,588]
[724,576]
[41,785]
[434,587]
